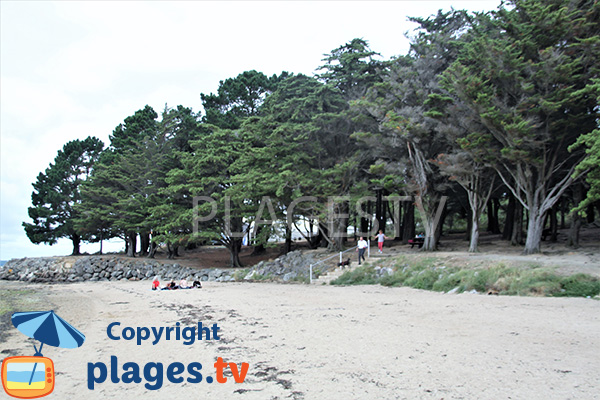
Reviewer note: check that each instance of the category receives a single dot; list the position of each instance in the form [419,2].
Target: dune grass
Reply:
[429,273]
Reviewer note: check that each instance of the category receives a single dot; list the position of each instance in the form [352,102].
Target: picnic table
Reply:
[416,241]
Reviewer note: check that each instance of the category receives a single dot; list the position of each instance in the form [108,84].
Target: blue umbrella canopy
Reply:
[48,328]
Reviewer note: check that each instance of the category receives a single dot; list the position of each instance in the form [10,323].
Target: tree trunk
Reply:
[288,240]
[516,238]
[553,224]
[510,218]
[259,248]
[379,209]
[439,228]
[235,246]
[408,222]
[76,239]
[496,203]
[153,248]
[343,230]
[470,217]
[381,206]
[397,218]
[430,223]
[563,206]
[573,239]
[492,213]
[339,228]
[323,232]
[313,240]
[364,225]
[144,243]
[474,243]
[370,220]
[535,228]
[131,244]
[590,213]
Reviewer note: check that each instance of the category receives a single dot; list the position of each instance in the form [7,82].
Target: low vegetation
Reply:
[16,299]
[430,274]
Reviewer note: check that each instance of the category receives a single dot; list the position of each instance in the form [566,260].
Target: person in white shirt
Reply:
[362,246]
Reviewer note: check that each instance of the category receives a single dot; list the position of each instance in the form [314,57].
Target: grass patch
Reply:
[429,273]
[240,274]
[579,285]
[300,279]
[360,276]
[15,299]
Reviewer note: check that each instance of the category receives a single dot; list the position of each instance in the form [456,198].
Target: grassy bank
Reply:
[430,273]
[17,299]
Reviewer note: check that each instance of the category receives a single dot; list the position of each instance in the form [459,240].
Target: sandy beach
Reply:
[322,342]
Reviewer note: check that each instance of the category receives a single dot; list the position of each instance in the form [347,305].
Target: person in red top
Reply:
[155,283]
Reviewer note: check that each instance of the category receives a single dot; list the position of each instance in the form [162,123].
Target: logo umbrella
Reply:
[48,328]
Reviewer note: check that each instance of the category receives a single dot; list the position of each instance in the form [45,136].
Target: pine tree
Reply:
[57,191]
[523,79]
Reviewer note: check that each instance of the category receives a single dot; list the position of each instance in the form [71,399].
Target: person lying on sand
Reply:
[183,284]
[171,286]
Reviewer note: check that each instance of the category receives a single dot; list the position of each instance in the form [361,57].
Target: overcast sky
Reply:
[73,69]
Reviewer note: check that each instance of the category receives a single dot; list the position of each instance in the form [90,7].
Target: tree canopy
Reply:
[57,192]
[487,108]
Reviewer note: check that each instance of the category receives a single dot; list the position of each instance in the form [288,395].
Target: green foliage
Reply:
[124,196]
[359,276]
[57,191]
[509,90]
[209,171]
[590,165]
[299,146]
[240,274]
[134,129]
[579,285]
[352,69]
[521,73]
[428,274]
[238,98]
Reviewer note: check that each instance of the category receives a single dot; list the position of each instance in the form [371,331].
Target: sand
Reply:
[323,342]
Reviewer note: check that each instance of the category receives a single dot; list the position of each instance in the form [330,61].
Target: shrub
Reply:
[359,276]
[579,285]
[425,274]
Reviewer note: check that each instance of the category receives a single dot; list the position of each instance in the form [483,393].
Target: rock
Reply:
[289,276]
[114,268]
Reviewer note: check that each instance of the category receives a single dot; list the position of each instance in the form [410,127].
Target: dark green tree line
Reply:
[484,106]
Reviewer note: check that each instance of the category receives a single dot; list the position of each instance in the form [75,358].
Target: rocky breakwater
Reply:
[103,268]
[293,266]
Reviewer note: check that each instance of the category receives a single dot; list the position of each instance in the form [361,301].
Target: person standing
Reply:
[380,239]
[362,246]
